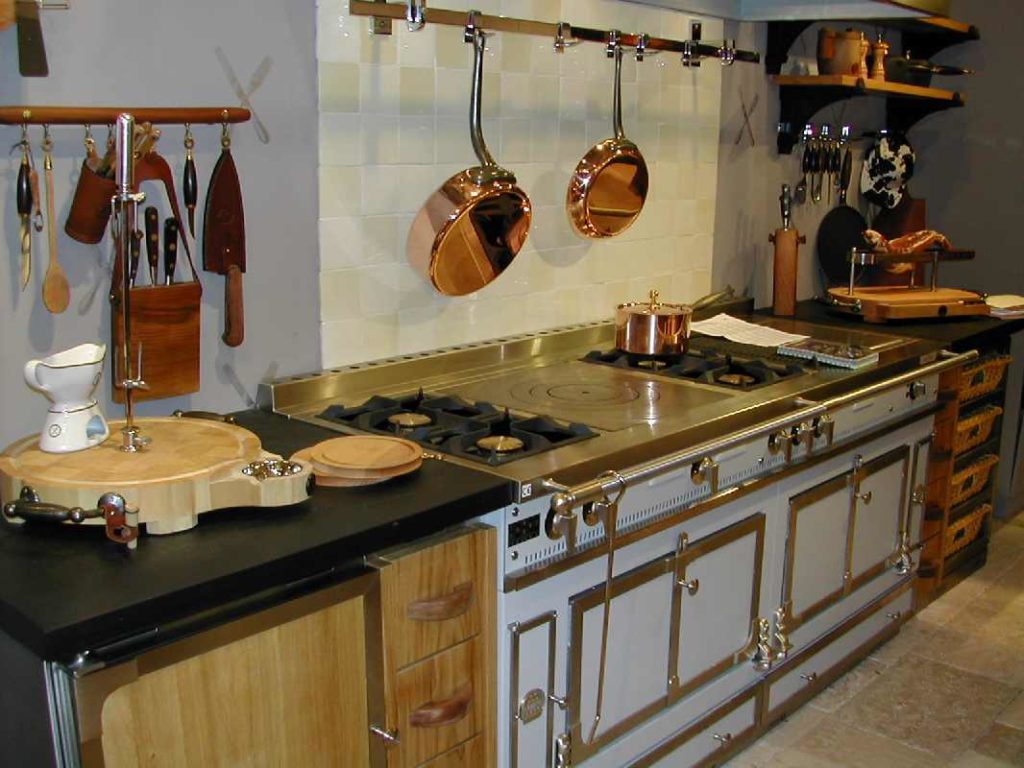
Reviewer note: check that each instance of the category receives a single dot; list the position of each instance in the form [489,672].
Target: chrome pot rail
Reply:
[566,499]
[564,35]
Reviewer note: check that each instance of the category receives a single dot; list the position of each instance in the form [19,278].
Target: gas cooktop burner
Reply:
[716,365]
[474,430]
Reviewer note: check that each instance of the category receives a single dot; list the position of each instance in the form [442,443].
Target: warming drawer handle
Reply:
[442,608]
[435,714]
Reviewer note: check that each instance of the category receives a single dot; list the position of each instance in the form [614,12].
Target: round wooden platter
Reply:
[366,453]
[348,477]
[191,466]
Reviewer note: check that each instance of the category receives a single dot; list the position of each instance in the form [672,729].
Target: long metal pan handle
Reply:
[947,361]
[478,38]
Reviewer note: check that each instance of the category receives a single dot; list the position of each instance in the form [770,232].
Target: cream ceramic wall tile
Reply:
[379,139]
[515,54]
[340,242]
[379,50]
[415,184]
[544,96]
[416,49]
[379,185]
[338,34]
[340,139]
[339,87]
[451,139]
[340,191]
[572,100]
[379,241]
[544,141]
[416,90]
[416,140]
[515,140]
[451,92]
[378,90]
[352,341]
[452,51]
[516,95]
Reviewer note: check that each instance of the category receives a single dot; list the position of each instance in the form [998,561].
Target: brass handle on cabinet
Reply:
[389,737]
[722,738]
[435,714]
[809,677]
[449,606]
[690,586]
[865,497]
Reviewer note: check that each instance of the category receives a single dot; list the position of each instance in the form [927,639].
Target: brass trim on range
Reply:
[822,680]
[675,564]
[92,690]
[851,480]
[579,605]
[755,524]
[796,505]
[729,746]
[531,575]
[517,630]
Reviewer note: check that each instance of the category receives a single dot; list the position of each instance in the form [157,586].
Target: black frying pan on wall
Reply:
[841,229]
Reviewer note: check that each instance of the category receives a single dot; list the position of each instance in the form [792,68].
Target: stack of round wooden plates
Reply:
[361,459]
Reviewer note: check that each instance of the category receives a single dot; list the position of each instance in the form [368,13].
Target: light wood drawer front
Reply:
[469,754]
[431,598]
[440,703]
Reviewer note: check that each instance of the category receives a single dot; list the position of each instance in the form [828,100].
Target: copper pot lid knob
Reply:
[654,299]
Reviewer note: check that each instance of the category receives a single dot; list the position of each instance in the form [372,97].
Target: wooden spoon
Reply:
[56,290]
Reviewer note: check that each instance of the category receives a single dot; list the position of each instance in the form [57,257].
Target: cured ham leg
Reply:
[906,244]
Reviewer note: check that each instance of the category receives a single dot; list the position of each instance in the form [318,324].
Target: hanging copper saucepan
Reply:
[470,230]
[652,328]
[609,187]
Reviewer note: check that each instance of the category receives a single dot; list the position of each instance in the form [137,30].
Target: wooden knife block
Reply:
[165,321]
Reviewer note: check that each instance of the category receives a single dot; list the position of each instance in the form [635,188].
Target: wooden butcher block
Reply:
[191,466]
[879,304]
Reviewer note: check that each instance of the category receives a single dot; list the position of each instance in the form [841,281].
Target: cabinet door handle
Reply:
[865,497]
[722,738]
[435,714]
[455,603]
[809,677]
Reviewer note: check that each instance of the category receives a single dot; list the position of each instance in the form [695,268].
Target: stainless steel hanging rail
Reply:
[689,49]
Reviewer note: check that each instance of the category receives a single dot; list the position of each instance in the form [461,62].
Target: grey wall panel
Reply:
[106,52]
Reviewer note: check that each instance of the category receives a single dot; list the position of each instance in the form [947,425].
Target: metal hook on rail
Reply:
[563,37]
[469,35]
[727,53]
[614,41]
[415,17]
[642,43]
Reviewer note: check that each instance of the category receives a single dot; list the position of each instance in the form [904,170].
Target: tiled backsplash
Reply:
[394,126]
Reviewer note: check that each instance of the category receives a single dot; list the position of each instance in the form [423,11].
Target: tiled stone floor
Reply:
[947,691]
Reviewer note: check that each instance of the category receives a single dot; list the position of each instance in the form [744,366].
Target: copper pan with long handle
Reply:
[609,187]
[470,229]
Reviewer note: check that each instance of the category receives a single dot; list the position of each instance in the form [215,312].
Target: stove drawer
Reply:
[810,672]
[430,595]
[708,741]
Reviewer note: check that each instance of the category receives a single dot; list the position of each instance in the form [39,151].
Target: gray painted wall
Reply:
[151,53]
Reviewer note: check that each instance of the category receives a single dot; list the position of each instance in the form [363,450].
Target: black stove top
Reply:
[478,431]
[711,361]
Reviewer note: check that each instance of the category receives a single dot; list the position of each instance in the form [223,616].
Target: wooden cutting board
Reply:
[361,460]
[879,304]
[192,466]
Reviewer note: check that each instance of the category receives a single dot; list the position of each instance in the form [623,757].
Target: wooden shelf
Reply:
[801,96]
[923,37]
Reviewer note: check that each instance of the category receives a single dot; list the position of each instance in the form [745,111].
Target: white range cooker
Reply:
[765,518]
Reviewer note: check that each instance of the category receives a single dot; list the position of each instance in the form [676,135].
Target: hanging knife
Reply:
[31,50]
[153,244]
[133,254]
[170,249]
[190,189]
[24,199]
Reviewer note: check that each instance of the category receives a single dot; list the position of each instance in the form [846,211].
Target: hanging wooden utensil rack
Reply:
[564,34]
[43,115]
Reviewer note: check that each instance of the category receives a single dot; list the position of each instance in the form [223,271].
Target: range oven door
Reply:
[676,623]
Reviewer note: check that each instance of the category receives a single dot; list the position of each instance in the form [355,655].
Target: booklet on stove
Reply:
[830,353]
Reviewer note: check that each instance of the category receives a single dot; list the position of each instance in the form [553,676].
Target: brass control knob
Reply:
[777,441]
[917,389]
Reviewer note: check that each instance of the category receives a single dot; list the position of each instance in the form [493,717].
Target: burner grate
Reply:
[459,427]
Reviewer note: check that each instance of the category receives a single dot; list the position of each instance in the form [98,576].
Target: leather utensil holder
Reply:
[90,207]
[165,321]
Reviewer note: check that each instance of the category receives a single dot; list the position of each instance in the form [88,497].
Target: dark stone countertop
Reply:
[65,589]
[958,334]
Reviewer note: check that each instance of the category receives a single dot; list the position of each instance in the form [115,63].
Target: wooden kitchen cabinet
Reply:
[332,678]
[440,653]
[294,685]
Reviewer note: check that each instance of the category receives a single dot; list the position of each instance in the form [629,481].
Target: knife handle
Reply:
[135,248]
[153,243]
[234,322]
[170,249]
[24,190]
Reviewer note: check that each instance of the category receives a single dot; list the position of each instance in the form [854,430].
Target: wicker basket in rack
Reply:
[982,378]
[975,429]
[971,479]
[965,530]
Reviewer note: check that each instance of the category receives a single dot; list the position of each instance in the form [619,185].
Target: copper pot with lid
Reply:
[471,228]
[652,327]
